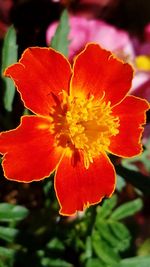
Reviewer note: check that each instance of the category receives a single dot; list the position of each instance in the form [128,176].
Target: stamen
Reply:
[84,124]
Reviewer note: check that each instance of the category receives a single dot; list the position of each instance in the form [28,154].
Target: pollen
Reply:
[84,124]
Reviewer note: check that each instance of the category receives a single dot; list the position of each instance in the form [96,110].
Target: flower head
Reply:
[81,114]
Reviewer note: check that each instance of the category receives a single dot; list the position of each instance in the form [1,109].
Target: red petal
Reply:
[40,72]
[29,154]
[98,73]
[77,187]
[131,112]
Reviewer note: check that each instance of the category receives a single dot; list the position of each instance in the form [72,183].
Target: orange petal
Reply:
[29,152]
[40,72]
[131,112]
[98,73]
[77,187]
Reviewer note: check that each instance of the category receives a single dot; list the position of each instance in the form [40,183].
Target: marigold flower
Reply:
[81,114]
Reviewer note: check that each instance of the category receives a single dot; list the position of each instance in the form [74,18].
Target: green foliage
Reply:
[143,261]
[143,159]
[131,168]
[11,213]
[137,179]
[60,40]
[6,257]
[110,237]
[121,183]
[103,250]
[97,238]
[127,209]
[8,233]
[107,208]
[9,56]
[47,262]
[94,263]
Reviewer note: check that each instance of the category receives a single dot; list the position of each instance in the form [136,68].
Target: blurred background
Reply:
[115,233]
[32,17]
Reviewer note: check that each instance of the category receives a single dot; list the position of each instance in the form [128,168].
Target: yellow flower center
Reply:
[85,124]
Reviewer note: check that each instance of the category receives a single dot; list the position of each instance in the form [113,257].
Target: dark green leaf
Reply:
[122,233]
[127,209]
[106,209]
[60,40]
[102,250]
[10,212]
[94,263]
[8,234]
[2,264]
[105,232]
[6,252]
[137,179]
[120,183]
[6,257]
[55,243]
[142,158]
[9,56]
[129,164]
[48,262]
[88,247]
[87,254]
[142,261]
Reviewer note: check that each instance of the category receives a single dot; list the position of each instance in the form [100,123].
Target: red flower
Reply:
[81,114]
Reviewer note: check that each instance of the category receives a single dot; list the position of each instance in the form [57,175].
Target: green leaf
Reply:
[2,264]
[60,40]
[137,179]
[127,209]
[56,244]
[88,247]
[6,257]
[94,263]
[9,56]
[6,252]
[120,183]
[142,158]
[106,209]
[121,232]
[102,250]
[129,164]
[87,254]
[10,212]
[8,234]
[115,234]
[105,232]
[143,261]
[48,262]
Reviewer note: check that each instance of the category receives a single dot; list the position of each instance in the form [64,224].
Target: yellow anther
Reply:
[84,124]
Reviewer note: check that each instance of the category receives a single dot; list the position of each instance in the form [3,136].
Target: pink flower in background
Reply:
[147,32]
[141,81]
[143,47]
[141,85]
[83,31]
